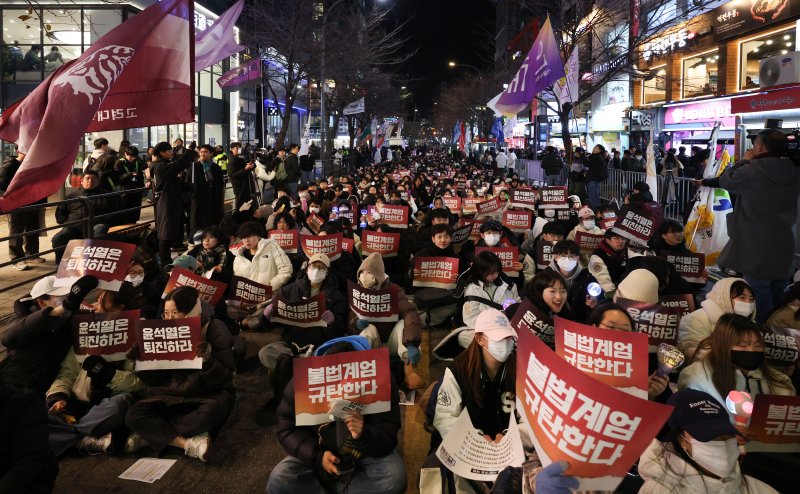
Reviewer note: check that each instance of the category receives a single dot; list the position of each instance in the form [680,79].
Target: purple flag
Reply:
[217,42]
[541,68]
[246,75]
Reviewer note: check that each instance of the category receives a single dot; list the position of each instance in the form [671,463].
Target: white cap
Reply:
[45,287]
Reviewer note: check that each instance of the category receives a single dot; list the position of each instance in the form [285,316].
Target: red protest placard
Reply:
[348,244]
[453,203]
[607,223]
[775,424]
[475,232]
[302,314]
[588,242]
[374,305]
[394,216]
[554,198]
[470,204]
[168,344]
[315,222]
[528,318]
[524,197]
[685,302]
[615,358]
[497,189]
[287,239]
[491,207]
[508,256]
[248,293]
[635,226]
[209,290]
[518,221]
[361,378]
[691,266]
[436,272]
[106,260]
[385,244]
[109,335]
[599,430]
[330,245]
[782,345]
[461,234]
[658,322]
[544,253]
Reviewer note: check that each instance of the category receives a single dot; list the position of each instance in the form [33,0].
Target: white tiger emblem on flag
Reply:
[95,75]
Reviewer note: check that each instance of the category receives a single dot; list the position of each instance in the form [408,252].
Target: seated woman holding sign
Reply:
[261,259]
[482,380]
[184,407]
[488,288]
[437,302]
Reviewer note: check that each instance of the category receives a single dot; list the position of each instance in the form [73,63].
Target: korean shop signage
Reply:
[741,16]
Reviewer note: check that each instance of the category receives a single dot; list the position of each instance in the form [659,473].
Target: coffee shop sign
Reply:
[666,44]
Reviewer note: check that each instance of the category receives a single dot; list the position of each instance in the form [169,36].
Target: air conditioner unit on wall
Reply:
[779,70]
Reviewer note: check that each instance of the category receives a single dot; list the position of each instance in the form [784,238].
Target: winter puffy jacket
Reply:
[270,265]
[477,299]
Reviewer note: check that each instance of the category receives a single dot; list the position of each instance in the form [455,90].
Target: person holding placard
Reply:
[586,226]
[183,407]
[261,259]
[566,262]
[493,234]
[607,263]
[488,288]
[439,303]
[551,231]
[787,314]
[212,254]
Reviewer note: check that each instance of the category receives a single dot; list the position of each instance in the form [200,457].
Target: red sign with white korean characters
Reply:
[248,293]
[508,256]
[348,244]
[461,234]
[105,260]
[599,430]
[775,424]
[109,335]
[684,302]
[436,272]
[518,221]
[475,233]
[615,358]
[315,222]
[636,227]
[385,244]
[394,216]
[330,245]
[361,378]
[305,313]
[470,204]
[287,239]
[781,99]
[607,223]
[588,242]
[658,322]
[453,203]
[209,290]
[554,198]
[168,344]
[374,305]
[523,197]
[691,266]
[782,345]
[544,253]
[491,207]
[528,318]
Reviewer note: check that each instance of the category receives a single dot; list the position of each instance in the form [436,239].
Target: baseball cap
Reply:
[699,414]
[323,258]
[184,261]
[585,212]
[491,225]
[495,325]
[45,287]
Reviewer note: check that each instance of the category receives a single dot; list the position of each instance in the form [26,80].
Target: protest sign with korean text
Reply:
[394,216]
[247,292]
[554,198]
[588,242]
[544,253]
[633,225]
[599,430]
[209,290]
[470,204]
[523,197]
[775,424]
[305,313]
[106,260]
[348,244]
[436,272]
[615,358]
[491,207]
[385,244]
[168,344]
[330,245]
[453,203]
[518,221]
[658,322]
[508,256]
[461,234]
[287,239]
[315,222]
[691,266]
[108,334]
[361,378]
[528,318]
[380,305]
[475,233]
[683,301]
[782,345]
[606,223]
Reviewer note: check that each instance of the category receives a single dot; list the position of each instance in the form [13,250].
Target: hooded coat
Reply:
[169,193]
[269,266]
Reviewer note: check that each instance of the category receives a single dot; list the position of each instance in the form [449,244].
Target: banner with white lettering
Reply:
[524,197]
[461,235]
[691,266]
[394,216]
[209,290]
[782,345]
[287,239]
[491,207]
[374,305]
[518,221]
[554,198]
[685,302]
[248,293]
[658,322]
[385,244]
[453,203]
[633,225]
[544,253]
[168,344]
[470,204]
[436,272]
[106,260]
[775,424]
[528,318]
[305,313]
[108,334]
[330,245]
[508,256]
[588,242]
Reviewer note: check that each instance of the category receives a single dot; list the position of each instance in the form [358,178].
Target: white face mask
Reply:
[743,308]
[502,349]
[314,210]
[135,280]
[588,224]
[367,280]
[491,239]
[609,215]
[567,264]
[718,457]
[316,275]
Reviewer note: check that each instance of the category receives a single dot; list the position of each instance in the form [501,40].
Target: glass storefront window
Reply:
[56,56]
[753,51]
[655,90]
[700,75]
[62,27]
[96,23]
[205,83]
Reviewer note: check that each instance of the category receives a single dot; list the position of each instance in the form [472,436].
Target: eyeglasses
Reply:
[614,327]
[571,257]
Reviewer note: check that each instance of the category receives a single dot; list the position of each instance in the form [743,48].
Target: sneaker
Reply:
[197,446]
[21,266]
[37,260]
[135,442]
[95,445]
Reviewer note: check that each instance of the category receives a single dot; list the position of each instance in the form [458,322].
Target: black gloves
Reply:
[78,292]
[100,371]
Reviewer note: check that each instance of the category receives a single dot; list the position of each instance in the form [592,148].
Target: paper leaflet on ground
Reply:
[466,453]
[147,469]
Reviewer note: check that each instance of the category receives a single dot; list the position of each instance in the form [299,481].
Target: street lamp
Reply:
[453,64]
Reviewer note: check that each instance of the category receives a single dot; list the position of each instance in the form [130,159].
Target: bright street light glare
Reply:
[452,64]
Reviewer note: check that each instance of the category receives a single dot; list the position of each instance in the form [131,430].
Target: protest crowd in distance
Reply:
[588,347]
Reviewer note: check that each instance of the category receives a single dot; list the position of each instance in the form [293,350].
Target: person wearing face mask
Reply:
[727,296]
[699,453]
[607,263]
[566,262]
[493,234]
[587,225]
[732,358]
[482,379]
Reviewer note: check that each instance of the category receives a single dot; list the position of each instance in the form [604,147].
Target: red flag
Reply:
[139,74]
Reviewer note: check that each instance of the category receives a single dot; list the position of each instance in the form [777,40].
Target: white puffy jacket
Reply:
[473,308]
[270,265]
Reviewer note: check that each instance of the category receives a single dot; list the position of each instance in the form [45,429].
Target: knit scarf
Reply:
[618,255]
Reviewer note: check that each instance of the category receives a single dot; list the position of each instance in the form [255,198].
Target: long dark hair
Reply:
[485,262]
[470,363]
[185,298]
[543,280]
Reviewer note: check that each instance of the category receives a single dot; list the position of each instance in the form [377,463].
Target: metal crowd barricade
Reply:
[674,193]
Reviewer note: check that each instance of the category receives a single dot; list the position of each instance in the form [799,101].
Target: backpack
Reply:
[280,172]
